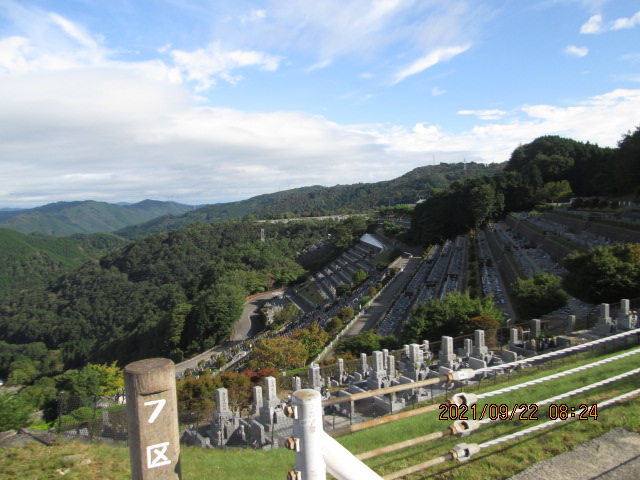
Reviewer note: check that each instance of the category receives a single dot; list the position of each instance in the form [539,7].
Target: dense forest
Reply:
[169,294]
[549,169]
[31,262]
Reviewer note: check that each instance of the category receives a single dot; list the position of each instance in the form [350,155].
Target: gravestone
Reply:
[271,411]
[341,376]
[428,354]
[514,336]
[391,367]
[297,383]
[536,328]
[223,423]
[315,377]
[605,324]
[415,368]
[480,350]
[257,400]
[447,358]
[378,375]
[627,319]
[468,347]
[570,324]
[363,366]
[258,438]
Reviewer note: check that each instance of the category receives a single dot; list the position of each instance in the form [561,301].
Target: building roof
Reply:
[371,240]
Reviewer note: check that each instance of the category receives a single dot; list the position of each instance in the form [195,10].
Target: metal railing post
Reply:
[307,436]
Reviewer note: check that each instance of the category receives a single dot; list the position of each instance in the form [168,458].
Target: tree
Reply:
[604,274]
[313,338]
[239,389]
[359,277]
[333,326]
[22,372]
[490,326]
[280,352]
[14,412]
[212,317]
[342,289]
[538,295]
[110,379]
[346,314]
[627,171]
[449,316]
[197,393]
[555,192]
[366,342]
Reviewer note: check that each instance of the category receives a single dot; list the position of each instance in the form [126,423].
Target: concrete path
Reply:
[612,456]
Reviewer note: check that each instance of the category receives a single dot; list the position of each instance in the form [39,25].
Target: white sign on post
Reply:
[156,455]
[159,406]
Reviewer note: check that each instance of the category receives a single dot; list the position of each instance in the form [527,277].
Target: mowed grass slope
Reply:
[499,462]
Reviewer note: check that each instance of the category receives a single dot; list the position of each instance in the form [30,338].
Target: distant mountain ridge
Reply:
[62,219]
[318,200]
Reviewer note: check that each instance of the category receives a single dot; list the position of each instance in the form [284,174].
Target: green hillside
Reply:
[318,200]
[62,219]
[169,293]
[28,261]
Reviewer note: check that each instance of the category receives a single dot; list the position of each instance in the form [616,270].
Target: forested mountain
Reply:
[62,219]
[550,168]
[28,262]
[166,294]
[179,292]
[318,200]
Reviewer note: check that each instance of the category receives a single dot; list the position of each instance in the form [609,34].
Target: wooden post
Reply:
[152,418]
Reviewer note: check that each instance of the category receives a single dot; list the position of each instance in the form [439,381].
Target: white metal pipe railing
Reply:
[316,452]
[342,464]
[307,435]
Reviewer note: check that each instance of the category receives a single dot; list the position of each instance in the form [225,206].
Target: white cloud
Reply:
[362,30]
[65,140]
[484,114]
[432,58]
[80,123]
[495,141]
[202,66]
[593,25]
[576,51]
[624,23]
[435,91]
[74,31]
[253,16]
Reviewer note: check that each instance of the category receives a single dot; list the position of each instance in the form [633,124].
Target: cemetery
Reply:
[389,382]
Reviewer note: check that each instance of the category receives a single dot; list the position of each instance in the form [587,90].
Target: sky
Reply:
[208,101]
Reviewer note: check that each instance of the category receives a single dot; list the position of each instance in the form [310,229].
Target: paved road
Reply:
[251,322]
[380,305]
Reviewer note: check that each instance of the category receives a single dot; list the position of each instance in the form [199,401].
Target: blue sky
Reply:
[214,101]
